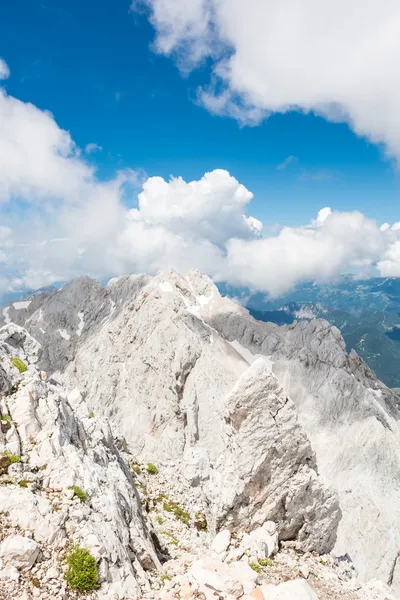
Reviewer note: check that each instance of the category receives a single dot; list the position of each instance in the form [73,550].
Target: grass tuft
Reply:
[152,469]
[80,493]
[255,567]
[19,364]
[265,562]
[82,573]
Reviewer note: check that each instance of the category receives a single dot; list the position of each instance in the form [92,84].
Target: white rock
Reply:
[19,552]
[297,589]
[233,580]
[260,541]
[52,573]
[221,541]
[304,571]
[11,573]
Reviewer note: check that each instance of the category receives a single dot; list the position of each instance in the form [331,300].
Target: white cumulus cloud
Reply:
[4,69]
[336,58]
[59,220]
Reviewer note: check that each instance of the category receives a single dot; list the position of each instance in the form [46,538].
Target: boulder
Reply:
[221,541]
[262,541]
[19,552]
[298,589]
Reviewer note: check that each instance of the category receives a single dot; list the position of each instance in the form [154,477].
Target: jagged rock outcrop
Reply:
[51,442]
[164,378]
[351,418]
[59,320]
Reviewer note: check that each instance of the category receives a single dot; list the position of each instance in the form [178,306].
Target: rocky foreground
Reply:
[157,442]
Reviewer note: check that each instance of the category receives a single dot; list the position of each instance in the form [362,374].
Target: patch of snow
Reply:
[64,334]
[19,305]
[6,316]
[165,286]
[81,324]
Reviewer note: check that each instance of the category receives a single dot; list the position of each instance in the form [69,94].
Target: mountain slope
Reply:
[176,369]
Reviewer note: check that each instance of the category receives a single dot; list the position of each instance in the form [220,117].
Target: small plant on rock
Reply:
[23,483]
[91,414]
[80,493]
[136,469]
[19,364]
[177,511]
[255,567]
[82,573]
[152,469]
[265,562]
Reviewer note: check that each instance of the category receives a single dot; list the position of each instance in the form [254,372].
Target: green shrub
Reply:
[152,469]
[23,483]
[177,511]
[165,577]
[91,414]
[82,573]
[160,520]
[21,366]
[12,458]
[80,493]
[136,469]
[265,562]
[255,567]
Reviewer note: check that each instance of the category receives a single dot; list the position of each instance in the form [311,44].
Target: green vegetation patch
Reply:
[19,364]
[177,511]
[82,573]
[23,483]
[152,469]
[6,460]
[255,567]
[80,493]
[265,562]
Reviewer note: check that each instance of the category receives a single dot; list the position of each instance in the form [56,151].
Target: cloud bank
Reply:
[336,58]
[59,220]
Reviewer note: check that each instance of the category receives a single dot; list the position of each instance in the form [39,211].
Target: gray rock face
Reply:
[268,471]
[351,419]
[59,445]
[164,378]
[61,318]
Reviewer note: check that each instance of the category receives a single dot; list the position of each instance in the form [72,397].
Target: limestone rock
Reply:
[297,589]
[58,450]
[19,552]
[173,403]
[262,541]
[221,541]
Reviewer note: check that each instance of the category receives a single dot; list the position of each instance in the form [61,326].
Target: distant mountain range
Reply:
[367,313]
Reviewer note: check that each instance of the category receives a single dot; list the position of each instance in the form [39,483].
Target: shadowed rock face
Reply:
[174,367]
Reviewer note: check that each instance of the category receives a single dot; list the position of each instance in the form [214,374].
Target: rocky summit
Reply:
[158,442]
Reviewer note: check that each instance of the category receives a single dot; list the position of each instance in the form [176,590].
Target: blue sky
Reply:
[294,107]
[91,64]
